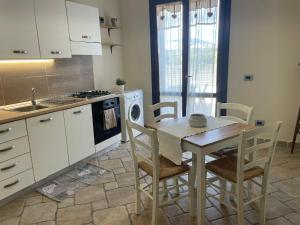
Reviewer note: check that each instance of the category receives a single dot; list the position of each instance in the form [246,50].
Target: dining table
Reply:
[201,145]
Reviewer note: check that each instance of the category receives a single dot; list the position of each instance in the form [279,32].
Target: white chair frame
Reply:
[247,110]
[265,162]
[152,190]
[160,105]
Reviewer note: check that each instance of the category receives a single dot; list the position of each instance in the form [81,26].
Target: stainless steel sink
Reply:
[29,108]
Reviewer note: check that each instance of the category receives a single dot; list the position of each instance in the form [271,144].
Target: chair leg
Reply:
[240,205]
[233,191]
[155,203]
[176,183]
[165,187]
[192,192]
[263,202]
[138,193]
[223,189]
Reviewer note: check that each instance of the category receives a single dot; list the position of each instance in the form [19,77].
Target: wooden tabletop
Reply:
[217,135]
[210,137]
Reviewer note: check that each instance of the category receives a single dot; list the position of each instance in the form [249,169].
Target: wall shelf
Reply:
[109,28]
[111,45]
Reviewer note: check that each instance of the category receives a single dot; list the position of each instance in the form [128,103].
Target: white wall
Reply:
[107,67]
[136,39]
[264,41]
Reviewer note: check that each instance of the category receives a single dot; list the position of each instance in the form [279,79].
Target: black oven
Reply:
[98,108]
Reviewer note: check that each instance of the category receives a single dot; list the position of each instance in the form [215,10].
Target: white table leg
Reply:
[201,188]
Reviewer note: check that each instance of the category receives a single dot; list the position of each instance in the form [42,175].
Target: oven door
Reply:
[98,108]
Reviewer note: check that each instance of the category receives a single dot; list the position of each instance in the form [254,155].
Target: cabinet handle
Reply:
[20,52]
[86,37]
[7,149]
[5,131]
[56,52]
[9,167]
[77,112]
[46,120]
[11,184]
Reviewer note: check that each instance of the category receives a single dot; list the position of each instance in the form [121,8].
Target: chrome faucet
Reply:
[33,92]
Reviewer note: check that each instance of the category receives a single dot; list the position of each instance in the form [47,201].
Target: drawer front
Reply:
[12,149]
[15,166]
[10,131]
[16,183]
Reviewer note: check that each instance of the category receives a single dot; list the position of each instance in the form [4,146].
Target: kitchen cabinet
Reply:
[79,132]
[18,36]
[52,26]
[48,144]
[84,29]
[16,183]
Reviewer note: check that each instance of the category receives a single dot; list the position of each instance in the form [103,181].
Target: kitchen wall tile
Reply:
[60,76]
[1,93]
[18,89]
[29,69]
[72,66]
[63,84]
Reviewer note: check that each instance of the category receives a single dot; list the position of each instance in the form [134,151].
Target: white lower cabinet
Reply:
[16,183]
[79,132]
[48,144]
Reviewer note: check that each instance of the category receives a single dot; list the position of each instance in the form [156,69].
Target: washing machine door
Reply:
[134,112]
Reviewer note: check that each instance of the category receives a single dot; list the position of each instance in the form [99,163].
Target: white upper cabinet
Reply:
[18,34]
[84,24]
[52,26]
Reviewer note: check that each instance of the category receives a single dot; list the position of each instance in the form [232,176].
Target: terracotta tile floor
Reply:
[110,201]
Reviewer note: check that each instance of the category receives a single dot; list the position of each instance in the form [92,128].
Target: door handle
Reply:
[56,52]
[11,184]
[5,130]
[20,51]
[7,149]
[46,120]
[77,112]
[188,76]
[9,167]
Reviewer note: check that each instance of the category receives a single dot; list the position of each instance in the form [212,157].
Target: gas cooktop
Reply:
[90,94]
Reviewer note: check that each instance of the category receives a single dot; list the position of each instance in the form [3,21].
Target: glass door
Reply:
[189,53]
[170,52]
[203,56]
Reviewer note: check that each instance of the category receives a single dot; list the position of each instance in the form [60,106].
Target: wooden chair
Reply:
[160,106]
[159,168]
[297,131]
[242,109]
[237,170]
[163,116]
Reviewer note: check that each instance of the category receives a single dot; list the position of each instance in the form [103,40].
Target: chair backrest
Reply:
[148,142]
[248,111]
[249,147]
[161,105]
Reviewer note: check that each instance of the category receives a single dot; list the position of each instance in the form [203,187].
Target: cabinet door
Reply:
[48,144]
[18,34]
[79,131]
[52,26]
[84,22]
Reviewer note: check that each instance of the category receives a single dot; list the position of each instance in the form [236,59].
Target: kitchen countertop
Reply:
[7,116]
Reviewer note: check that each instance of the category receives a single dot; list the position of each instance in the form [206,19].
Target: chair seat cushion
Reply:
[167,168]
[226,167]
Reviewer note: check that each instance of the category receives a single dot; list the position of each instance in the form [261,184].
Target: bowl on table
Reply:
[197,120]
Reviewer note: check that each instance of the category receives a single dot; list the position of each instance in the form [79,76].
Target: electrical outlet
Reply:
[248,77]
[259,123]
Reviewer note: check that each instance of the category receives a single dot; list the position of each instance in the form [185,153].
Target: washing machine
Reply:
[131,103]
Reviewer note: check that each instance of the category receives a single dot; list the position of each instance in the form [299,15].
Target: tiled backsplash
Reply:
[60,76]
